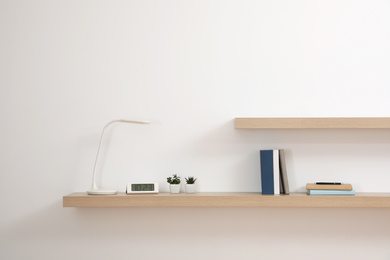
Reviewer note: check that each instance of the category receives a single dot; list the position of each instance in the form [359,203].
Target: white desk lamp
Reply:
[95,190]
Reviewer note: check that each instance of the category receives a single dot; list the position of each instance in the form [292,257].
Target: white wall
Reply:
[191,67]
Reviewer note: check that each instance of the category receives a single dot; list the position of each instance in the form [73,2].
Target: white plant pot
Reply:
[190,188]
[174,188]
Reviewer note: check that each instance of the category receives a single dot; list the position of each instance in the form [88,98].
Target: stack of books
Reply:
[329,188]
[273,172]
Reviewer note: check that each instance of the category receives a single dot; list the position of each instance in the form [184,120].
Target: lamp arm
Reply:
[94,186]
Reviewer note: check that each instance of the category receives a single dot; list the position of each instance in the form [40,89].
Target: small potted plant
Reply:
[190,186]
[174,183]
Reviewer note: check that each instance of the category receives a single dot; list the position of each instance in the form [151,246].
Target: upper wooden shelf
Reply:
[313,123]
[227,199]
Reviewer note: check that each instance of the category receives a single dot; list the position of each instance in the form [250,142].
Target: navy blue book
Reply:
[267,171]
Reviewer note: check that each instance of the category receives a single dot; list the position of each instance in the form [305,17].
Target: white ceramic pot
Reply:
[190,188]
[174,188]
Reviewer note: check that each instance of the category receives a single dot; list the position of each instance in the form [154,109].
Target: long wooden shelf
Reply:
[313,123]
[227,199]
[218,199]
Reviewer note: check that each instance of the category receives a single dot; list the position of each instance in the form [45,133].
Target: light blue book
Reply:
[331,192]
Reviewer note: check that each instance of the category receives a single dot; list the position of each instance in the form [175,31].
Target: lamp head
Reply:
[134,121]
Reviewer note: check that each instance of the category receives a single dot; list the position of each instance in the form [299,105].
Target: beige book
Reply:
[313,186]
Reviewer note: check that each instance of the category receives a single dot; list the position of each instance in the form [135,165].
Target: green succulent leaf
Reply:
[190,180]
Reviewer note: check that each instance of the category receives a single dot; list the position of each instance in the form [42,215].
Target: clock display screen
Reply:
[142,187]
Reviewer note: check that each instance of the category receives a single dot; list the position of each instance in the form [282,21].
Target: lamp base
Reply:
[102,192]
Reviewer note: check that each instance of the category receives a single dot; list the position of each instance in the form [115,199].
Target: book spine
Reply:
[283,172]
[276,172]
[267,171]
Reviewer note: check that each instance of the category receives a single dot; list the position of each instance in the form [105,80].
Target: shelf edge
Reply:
[361,200]
[312,123]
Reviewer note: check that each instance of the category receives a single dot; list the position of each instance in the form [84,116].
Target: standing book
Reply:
[270,172]
[267,171]
[283,173]
[276,172]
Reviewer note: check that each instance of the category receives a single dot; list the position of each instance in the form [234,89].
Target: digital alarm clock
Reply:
[142,187]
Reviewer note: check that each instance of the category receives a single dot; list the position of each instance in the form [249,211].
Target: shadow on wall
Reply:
[77,233]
